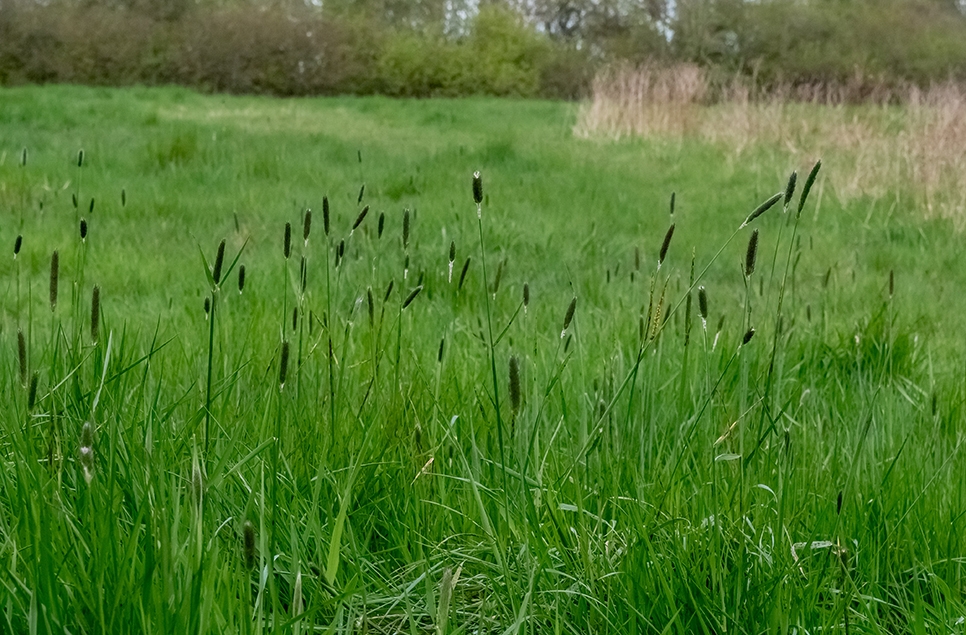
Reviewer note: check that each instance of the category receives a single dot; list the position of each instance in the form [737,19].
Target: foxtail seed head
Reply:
[17,244]
[498,278]
[54,278]
[32,391]
[23,158]
[703,304]
[248,542]
[452,251]
[385,298]
[219,262]
[751,255]
[750,333]
[362,191]
[381,225]
[361,217]
[80,158]
[83,229]
[809,182]
[207,307]
[514,384]
[283,366]
[412,296]
[665,245]
[22,357]
[439,355]
[568,318]
[477,189]
[526,295]
[241,278]
[95,313]
[287,241]
[406,228]
[764,207]
[306,226]
[790,188]
[371,306]
[325,214]
[892,282]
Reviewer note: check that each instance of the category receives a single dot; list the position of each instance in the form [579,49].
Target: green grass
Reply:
[642,485]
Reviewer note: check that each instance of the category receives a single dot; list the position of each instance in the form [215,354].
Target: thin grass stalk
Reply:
[478,199]
[328,326]
[685,366]
[769,379]
[276,459]
[18,243]
[211,350]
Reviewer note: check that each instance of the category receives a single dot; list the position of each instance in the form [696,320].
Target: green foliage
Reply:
[507,55]
[810,478]
[414,65]
[855,45]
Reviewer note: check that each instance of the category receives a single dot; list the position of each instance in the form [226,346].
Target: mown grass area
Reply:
[353,452]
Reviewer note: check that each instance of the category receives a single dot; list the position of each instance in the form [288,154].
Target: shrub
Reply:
[507,54]
[414,65]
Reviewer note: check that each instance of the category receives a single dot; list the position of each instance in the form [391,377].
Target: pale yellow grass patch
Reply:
[916,149]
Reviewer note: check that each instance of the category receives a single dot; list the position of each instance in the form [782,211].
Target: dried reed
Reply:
[920,149]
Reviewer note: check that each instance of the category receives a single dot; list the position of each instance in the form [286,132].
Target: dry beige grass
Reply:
[650,100]
[916,149]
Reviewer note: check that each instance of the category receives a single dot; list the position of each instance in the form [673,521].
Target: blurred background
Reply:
[828,50]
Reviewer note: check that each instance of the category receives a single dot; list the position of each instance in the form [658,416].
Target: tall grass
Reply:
[441,454]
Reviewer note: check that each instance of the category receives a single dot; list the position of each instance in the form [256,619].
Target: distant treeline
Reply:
[529,48]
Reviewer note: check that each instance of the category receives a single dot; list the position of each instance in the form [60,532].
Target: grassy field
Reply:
[413,435]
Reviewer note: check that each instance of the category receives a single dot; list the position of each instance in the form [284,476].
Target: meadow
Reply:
[565,397]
